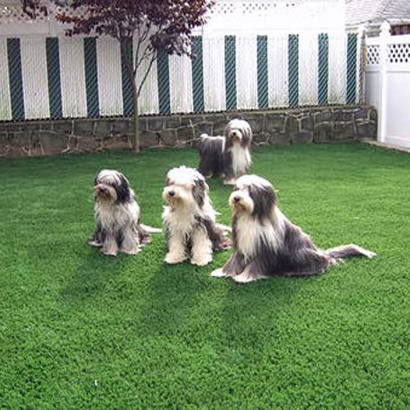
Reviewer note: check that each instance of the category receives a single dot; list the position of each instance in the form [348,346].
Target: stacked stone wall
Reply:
[270,127]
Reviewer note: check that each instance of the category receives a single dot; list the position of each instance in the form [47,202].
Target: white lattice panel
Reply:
[11,12]
[372,55]
[250,7]
[399,53]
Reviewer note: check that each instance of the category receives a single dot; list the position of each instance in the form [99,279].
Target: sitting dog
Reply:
[226,156]
[117,215]
[267,244]
[189,218]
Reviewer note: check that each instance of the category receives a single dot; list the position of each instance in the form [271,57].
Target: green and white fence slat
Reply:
[73,84]
[109,66]
[5,96]
[91,77]
[181,90]
[262,66]
[278,68]
[53,77]
[34,77]
[197,75]
[337,69]
[323,73]
[163,83]
[126,53]
[246,72]
[214,74]
[16,79]
[351,80]
[230,73]
[308,70]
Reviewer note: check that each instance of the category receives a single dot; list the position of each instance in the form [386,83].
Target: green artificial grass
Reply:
[79,330]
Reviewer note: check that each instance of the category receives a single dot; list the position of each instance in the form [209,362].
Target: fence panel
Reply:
[5,95]
[109,77]
[72,75]
[387,85]
[54,77]
[214,74]
[278,71]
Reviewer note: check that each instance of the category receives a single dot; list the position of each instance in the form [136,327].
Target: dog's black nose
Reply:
[171,193]
[236,199]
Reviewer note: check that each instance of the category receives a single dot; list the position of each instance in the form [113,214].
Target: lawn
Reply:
[79,330]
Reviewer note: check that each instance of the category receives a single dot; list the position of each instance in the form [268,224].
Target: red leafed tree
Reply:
[156,25]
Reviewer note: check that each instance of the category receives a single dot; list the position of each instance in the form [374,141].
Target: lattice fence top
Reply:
[11,12]
[372,55]
[397,50]
[270,15]
[252,7]
[225,15]
[399,53]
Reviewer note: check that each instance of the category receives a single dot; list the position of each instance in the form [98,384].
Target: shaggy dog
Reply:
[226,156]
[117,215]
[267,244]
[189,218]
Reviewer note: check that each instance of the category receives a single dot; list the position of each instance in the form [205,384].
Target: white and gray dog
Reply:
[226,156]
[266,243]
[189,218]
[117,214]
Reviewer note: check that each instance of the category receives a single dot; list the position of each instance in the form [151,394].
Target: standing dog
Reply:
[267,244]
[226,156]
[189,218]
[117,215]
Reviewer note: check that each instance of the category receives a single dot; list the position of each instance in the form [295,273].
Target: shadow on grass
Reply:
[249,313]
[94,275]
[170,298]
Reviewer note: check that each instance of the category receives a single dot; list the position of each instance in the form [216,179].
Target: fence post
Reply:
[382,97]
[362,64]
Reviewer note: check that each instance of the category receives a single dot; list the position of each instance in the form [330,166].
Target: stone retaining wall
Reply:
[270,127]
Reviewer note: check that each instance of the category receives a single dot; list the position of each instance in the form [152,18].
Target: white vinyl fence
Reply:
[388,85]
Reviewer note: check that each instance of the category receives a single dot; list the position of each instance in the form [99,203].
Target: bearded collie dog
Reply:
[117,215]
[265,243]
[189,219]
[226,156]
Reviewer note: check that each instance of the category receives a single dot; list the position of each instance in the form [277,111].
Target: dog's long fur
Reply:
[267,244]
[226,156]
[117,214]
[189,218]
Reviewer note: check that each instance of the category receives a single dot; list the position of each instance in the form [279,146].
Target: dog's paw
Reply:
[131,251]
[218,273]
[243,278]
[201,261]
[172,259]
[109,252]
[95,243]
[231,181]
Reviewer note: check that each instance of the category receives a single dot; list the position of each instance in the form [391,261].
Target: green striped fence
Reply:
[86,77]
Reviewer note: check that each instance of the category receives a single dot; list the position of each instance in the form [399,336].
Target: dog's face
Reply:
[254,196]
[238,131]
[185,187]
[111,186]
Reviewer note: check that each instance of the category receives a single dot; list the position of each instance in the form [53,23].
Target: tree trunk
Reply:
[136,142]
[126,45]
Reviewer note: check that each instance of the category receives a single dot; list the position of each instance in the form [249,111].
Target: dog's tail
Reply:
[150,229]
[347,251]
